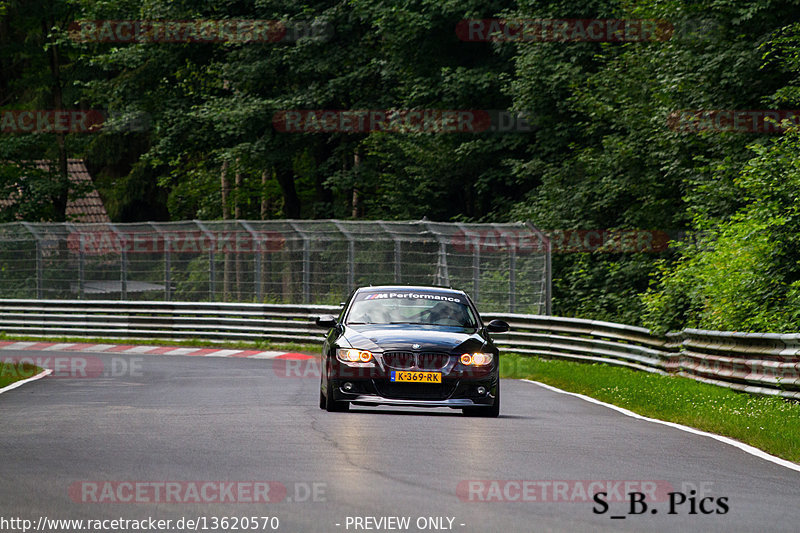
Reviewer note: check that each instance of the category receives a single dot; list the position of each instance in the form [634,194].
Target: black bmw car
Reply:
[410,346]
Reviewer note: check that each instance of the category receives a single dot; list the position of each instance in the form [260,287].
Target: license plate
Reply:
[415,377]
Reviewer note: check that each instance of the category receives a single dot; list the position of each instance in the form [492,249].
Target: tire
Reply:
[323,403]
[332,406]
[329,404]
[486,412]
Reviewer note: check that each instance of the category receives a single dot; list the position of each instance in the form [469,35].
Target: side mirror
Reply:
[497,326]
[326,321]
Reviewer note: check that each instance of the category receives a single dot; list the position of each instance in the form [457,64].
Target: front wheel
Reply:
[332,406]
[486,412]
[328,403]
[323,403]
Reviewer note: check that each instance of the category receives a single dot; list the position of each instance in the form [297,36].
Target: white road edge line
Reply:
[726,440]
[40,375]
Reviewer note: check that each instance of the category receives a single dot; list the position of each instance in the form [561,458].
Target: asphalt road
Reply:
[204,422]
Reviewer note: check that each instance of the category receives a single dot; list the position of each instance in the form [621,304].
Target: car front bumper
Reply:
[456,394]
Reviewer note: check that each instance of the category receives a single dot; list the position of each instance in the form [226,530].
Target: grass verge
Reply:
[11,372]
[766,422]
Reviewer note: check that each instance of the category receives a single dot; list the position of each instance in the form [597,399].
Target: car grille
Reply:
[399,360]
[422,361]
[432,361]
[415,391]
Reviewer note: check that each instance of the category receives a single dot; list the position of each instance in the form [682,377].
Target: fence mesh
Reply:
[504,267]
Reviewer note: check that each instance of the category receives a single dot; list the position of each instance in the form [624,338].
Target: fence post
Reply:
[548,267]
[257,281]
[124,274]
[351,257]
[548,292]
[39,268]
[398,253]
[212,270]
[476,262]
[167,265]
[306,263]
[442,276]
[162,242]
[39,259]
[81,273]
[512,279]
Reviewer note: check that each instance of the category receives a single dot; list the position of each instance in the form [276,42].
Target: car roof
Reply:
[405,288]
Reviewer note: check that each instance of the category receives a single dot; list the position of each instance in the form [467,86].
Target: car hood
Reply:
[402,337]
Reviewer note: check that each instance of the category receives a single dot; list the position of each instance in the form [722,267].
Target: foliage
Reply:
[190,133]
[745,273]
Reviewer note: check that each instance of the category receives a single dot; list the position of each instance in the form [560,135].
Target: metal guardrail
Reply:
[762,363]
[162,320]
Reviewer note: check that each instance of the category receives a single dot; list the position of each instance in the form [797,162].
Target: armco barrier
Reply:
[763,363]
[162,320]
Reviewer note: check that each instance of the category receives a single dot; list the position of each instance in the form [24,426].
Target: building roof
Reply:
[88,208]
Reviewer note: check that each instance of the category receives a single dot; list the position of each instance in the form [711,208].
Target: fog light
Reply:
[348,386]
[482,391]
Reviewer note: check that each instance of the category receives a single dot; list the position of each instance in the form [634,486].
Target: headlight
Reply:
[476,359]
[351,355]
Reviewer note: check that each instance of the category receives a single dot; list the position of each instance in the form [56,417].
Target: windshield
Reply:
[411,308]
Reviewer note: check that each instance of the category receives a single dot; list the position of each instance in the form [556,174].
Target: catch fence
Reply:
[504,267]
